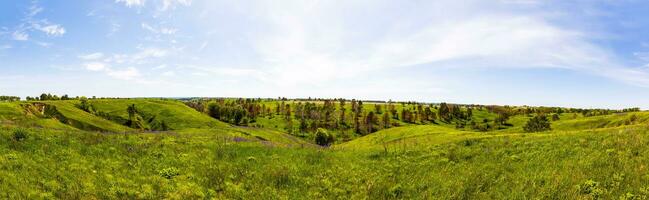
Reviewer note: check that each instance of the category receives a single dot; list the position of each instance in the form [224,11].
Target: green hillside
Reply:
[175,113]
[62,151]
[70,114]
[605,163]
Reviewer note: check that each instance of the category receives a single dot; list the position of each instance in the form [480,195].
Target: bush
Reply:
[169,173]
[591,188]
[323,138]
[555,117]
[20,134]
[537,124]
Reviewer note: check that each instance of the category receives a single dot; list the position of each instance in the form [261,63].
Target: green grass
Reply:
[14,115]
[10,111]
[70,165]
[601,157]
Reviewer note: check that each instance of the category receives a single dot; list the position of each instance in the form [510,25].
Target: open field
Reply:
[69,153]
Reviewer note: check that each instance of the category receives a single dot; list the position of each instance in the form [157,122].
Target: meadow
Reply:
[57,150]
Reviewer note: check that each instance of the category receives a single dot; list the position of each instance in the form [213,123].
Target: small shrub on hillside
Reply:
[555,117]
[20,134]
[591,188]
[323,138]
[537,124]
[169,173]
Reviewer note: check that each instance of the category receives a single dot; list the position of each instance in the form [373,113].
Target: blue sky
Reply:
[584,53]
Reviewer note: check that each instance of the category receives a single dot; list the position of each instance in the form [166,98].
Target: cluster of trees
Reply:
[231,113]
[334,115]
[54,97]
[50,97]
[341,116]
[9,98]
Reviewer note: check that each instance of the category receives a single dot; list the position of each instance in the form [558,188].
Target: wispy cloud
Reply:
[31,23]
[129,73]
[51,30]
[20,36]
[308,45]
[92,56]
[161,5]
[131,3]
[171,4]
[169,73]
[160,30]
[96,66]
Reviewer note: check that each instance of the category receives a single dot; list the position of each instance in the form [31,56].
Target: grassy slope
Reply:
[607,163]
[585,157]
[85,120]
[434,134]
[176,114]
[13,115]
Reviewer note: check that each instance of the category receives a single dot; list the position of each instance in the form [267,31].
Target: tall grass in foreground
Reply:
[606,164]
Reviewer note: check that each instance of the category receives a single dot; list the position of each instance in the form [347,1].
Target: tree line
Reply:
[9,98]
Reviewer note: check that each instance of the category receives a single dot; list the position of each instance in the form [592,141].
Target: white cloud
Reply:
[114,28]
[129,73]
[30,24]
[162,5]
[168,31]
[6,46]
[20,36]
[162,30]
[160,67]
[34,10]
[149,27]
[92,56]
[309,44]
[169,73]
[171,4]
[52,30]
[131,3]
[203,46]
[96,66]
[146,53]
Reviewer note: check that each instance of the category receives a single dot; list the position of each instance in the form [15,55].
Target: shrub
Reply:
[591,188]
[537,124]
[323,138]
[20,134]
[555,117]
[169,173]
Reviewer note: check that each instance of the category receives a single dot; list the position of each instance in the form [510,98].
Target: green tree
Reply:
[537,124]
[323,138]
[386,120]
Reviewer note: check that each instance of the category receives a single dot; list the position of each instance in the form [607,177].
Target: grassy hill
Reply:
[605,163]
[63,152]
[70,114]
[175,113]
